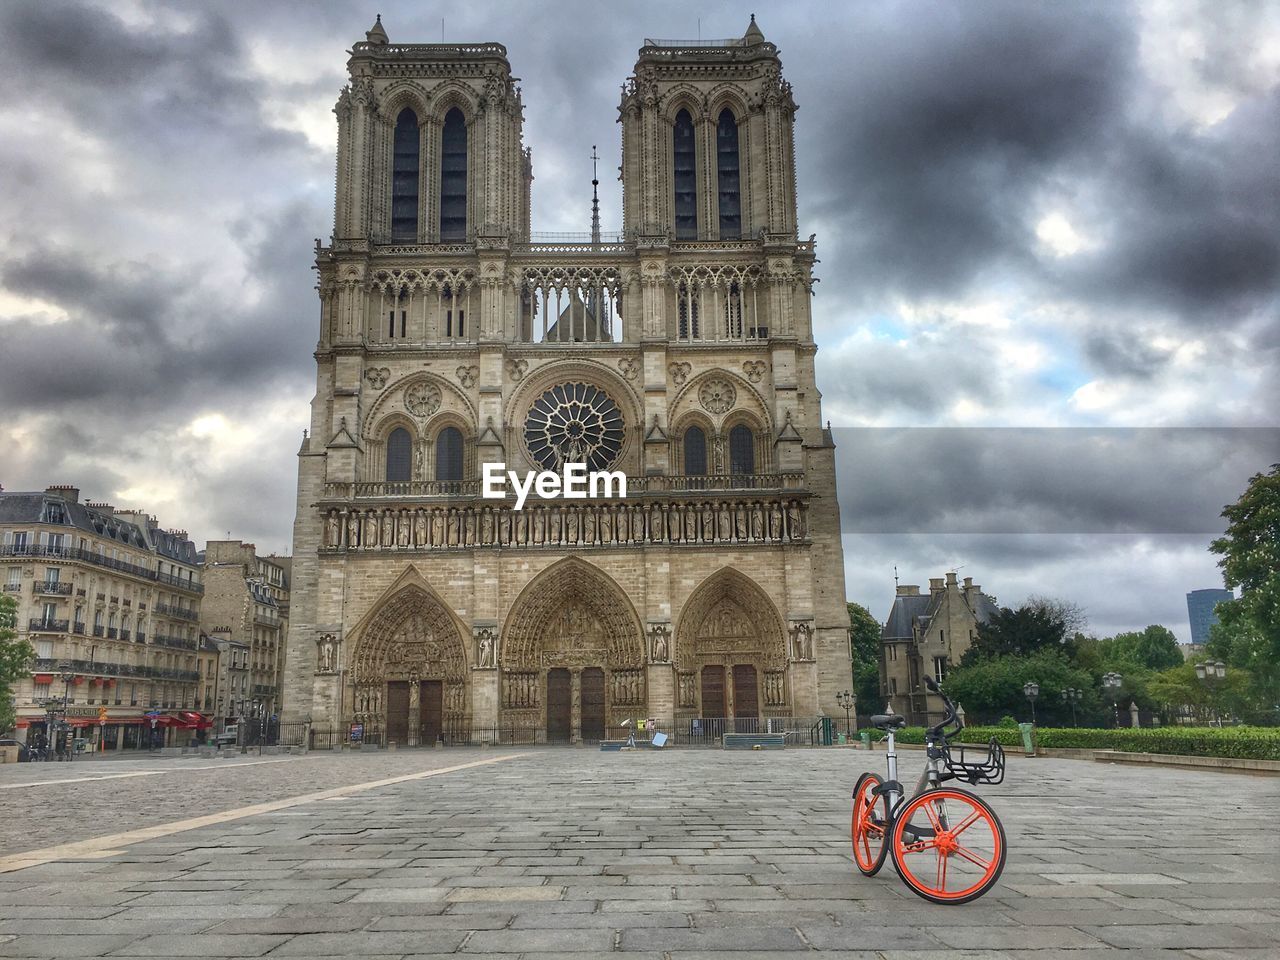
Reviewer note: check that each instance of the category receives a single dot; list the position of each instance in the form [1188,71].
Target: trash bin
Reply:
[1028,738]
[840,739]
[866,739]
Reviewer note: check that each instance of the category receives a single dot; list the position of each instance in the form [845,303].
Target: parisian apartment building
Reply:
[245,614]
[110,601]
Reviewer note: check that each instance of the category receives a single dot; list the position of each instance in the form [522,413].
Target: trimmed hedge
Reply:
[1248,743]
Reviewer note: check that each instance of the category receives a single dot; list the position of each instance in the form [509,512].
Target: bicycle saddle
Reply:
[886,720]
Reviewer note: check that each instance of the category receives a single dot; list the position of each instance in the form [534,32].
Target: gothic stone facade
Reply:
[679,351]
[926,635]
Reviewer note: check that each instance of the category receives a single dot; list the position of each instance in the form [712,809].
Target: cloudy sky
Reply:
[1049,234]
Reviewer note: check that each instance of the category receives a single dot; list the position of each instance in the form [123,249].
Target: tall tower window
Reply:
[449,454]
[685,177]
[727,176]
[453,177]
[742,451]
[404,178]
[695,452]
[399,456]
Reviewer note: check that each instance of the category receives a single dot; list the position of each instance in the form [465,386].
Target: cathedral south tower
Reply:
[680,353]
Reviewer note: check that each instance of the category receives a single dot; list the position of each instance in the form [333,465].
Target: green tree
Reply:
[992,687]
[15,658]
[1038,624]
[1248,635]
[864,650]
[1155,648]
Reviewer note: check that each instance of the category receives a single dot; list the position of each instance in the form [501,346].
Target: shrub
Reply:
[1247,743]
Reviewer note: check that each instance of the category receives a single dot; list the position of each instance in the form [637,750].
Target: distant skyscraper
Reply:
[1200,606]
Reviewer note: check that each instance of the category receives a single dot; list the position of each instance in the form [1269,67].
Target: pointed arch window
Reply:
[695,452]
[399,456]
[727,176]
[449,454]
[453,177]
[404,177]
[685,177]
[742,451]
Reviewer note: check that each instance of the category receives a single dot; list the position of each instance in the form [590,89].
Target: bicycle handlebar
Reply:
[951,715]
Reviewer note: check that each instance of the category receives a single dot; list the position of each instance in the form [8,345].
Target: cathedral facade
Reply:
[679,352]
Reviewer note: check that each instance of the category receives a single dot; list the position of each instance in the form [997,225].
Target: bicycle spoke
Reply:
[968,821]
[973,858]
[942,871]
[932,815]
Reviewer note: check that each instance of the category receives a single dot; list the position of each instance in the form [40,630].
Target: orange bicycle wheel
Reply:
[948,846]
[869,830]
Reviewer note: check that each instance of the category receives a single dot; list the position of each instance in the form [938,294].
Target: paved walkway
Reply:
[655,855]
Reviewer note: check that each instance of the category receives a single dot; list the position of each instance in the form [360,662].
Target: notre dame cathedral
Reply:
[679,351]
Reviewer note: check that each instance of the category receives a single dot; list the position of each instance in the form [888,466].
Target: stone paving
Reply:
[676,855]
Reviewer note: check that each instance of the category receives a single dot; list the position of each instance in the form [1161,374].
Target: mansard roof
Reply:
[30,507]
[903,615]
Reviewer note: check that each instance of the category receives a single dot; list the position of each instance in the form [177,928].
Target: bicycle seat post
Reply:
[891,754]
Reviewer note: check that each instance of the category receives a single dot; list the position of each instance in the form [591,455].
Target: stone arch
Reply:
[401,94]
[571,616]
[392,398]
[729,622]
[747,402]
[409,637]
[683,96]
[588,371]
[450,94]
[376,441]
[727,95]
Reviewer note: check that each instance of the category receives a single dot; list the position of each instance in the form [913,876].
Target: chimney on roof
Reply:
[936,585]
[908,590]
[968,582]
[102,506]
[65,491]
[951,578]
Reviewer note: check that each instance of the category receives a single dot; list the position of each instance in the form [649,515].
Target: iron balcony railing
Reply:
[97,559]
[49,626]
[183,613]
[99,668]
[53,588]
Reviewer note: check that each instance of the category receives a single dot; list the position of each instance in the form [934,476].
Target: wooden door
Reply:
[593,704]
[398,712]
[713,692]
[430,712]
[746,701]
[559,705]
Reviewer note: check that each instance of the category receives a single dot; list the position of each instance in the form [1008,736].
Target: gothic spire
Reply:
[377,33]
[595,197]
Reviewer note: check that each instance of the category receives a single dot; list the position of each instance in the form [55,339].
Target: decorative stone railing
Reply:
[754,519]
[393,490]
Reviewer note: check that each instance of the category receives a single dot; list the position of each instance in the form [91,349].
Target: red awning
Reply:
[42,678]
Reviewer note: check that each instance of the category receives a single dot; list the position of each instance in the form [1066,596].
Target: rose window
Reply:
[574,423]
[422,399]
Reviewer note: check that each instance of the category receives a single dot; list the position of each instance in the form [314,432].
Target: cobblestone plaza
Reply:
[681,854]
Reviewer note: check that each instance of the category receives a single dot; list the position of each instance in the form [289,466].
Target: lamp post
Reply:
[847,700]
[1210,673]
[1072,696]
[1031,690]
[67,673]
[1111,683]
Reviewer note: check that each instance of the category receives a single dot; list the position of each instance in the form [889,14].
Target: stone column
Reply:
[661,678]
[484,704]
[415,711]
[803,677]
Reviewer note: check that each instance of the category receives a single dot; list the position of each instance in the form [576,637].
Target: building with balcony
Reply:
[246,605]
[926,635]
[678,351]
[110,600]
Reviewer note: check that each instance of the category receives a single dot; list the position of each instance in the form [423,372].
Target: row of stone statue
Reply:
[747,521]
[775,689]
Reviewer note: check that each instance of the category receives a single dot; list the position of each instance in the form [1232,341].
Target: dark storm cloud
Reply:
[1017,481]
[938,128]
[951,131]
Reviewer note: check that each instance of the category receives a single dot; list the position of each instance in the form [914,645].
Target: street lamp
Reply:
[67,673]
[1210,673]
[1111,683]
[1072,696]
[1031,690]
[847,700]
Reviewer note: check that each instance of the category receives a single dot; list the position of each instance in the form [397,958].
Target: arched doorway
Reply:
[731,657]
[572,656]
[409,671]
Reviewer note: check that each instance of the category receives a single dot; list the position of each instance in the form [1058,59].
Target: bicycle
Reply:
[948,845]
